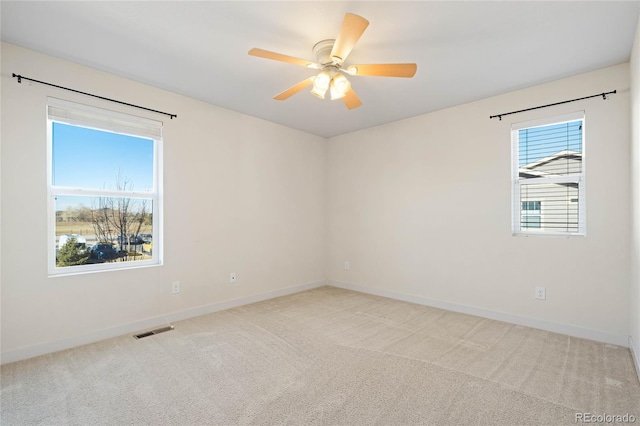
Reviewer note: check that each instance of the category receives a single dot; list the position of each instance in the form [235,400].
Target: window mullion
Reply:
[60,190]
[552,180]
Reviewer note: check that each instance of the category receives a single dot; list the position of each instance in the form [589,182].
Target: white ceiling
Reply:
[464,50]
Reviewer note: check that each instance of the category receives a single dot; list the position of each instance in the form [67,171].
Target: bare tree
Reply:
[119,218]
[100,220]
[84,214]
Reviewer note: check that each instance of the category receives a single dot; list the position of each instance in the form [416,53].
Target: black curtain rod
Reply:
[604,96]
[20,78]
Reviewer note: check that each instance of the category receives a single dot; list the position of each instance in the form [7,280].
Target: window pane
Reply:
[529,221]
[95,159]
[556,206]
[531,207]
[102,230]
[549,151]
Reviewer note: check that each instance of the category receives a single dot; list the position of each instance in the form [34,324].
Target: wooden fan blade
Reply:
[384,70]
[293,89]
[352,28]
[351,100]
[282,58]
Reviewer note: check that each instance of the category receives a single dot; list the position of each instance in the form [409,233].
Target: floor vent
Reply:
[152,332]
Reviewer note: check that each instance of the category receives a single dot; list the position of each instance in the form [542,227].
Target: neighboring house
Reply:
[549,206]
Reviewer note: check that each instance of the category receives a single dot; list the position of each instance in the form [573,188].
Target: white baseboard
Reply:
[635,353]
[138,326]
[571,330]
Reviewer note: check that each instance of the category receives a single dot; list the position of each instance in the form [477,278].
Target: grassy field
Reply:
[85,228]
[82,228]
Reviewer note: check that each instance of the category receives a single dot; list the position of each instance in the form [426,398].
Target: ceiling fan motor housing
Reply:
[322,51]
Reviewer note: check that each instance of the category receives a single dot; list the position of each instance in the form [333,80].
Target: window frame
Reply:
[517,183]
[155,195]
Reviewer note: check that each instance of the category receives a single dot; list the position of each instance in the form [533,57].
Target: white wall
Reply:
[241,195]
[421,209]
[635,199]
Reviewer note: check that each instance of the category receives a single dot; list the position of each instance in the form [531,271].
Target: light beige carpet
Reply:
[325,357]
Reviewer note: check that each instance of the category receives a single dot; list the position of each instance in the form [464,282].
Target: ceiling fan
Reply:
[331,55]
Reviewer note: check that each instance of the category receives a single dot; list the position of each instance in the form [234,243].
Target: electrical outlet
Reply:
[175,287]
[346,265]
[541,293]
[233,278]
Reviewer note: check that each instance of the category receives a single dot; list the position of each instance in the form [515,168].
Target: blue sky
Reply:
[540,142]
[90,158]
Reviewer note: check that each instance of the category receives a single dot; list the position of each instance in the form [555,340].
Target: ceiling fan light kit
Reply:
[339,86]
[321,84]
[330,56]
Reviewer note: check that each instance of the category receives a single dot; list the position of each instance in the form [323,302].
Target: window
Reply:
[548,176]
[104,186]
[530,214]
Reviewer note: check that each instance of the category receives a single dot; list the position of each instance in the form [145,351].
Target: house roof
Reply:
[529,170]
